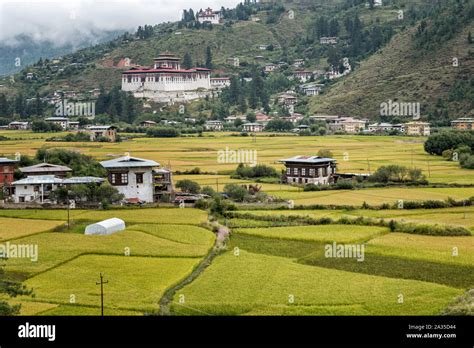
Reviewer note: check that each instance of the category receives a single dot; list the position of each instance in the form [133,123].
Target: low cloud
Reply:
[70,21]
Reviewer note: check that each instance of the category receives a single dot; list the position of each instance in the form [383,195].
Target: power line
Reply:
[101,283]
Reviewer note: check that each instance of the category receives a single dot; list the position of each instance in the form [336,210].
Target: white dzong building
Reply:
[209,16]
[167,81]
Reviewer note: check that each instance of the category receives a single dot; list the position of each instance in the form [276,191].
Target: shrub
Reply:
[259,171]
[188,186]
[236,192]
[161,132]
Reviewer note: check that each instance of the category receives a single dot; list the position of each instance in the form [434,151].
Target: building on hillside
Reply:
[18,125]
[38,188]
[209,16]
[262,47]
[230,119]
[94,93]
[305,170]
[220,82]
[7,171]
[167,82]
[46,169]
[137,179]
[311,89]
[288,98]
[326,118]
[303,76]
[63,122]
[418,128]
[73,125]
[328,40]
[293,118]
[352,125]
[234,61]
[380,127]
[262,118]
[298,63]
[148,124]
[253,127]
[464,123]
[269,68]
[214,125]
[102,132]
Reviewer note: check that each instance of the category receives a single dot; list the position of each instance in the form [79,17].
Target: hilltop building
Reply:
[209,16]
[167,82]
[309,170]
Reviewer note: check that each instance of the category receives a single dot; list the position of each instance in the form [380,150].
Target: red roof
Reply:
[164,70]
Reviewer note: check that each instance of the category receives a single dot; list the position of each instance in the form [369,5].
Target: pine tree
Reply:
[4,106]
[187,62]
[208,57]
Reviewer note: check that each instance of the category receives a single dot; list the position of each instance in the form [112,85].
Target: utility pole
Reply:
[101,283]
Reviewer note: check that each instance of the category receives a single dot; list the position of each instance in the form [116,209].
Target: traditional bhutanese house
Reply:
[353,125]
[163,189]
[293,118]
[312,89]
[380,127]
[220,82]
[418,128]
[148,124]
[270,68]
[214,126]
[302,76]
[262,118]
[105,132]
[230,119]
[298,63]
[325,40]
[19,125]
[209,16]
[287,98]
[464,123]
[133,177]
[73,125]
[253,127]
[43,169]
[7,171]
[309,170]
[63,122]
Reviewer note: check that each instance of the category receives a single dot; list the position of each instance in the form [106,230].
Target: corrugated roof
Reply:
[307,159]
[38,180]
[83,180]
[7,160]
[129,162]
[45,167]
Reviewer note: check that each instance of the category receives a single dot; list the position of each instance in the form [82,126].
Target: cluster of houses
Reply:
[139,180]
[335,124]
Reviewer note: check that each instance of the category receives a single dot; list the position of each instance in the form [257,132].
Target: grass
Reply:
[127,287]
[16,228]
[320,233]
[149,215]
[264,285]
[181,234]
[57,248]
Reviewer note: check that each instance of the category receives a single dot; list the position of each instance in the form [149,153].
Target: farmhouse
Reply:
[311,89]
[270,68]
[220,82]
[293,118]
[328,40]
[288,98]
[262,118]
[298,63]
[230,119]
[303,76]
[38,189]
[102,132]
[138,179]
[7,170]
[167,81]
[45,169]
[209,16]
[63,122]
[234,61]
[214,126]
[418,128]
[309,170]
[18,125]
[465,123]
[253,127]
[386,127]
[148,124]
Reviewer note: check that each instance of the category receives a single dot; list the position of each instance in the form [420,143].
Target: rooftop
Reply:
[38,180]
[4,160]
[307,160]
[45,167]
[129,162]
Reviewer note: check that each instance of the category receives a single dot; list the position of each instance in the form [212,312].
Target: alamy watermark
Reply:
[355,251]
[237,156]
[65,108]
[19,251]
[405,109]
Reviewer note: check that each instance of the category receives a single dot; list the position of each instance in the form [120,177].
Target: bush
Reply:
[162,132]
[236,192]
[259,171]
[449,140]
[188,186]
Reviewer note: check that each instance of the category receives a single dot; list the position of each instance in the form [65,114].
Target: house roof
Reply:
[253,124]
[101,127]
[39,179]
[4,160]
[307,160]
[83,180]
[129,162]
[163,70]
[45,167]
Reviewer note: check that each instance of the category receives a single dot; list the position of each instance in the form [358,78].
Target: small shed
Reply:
[106,227]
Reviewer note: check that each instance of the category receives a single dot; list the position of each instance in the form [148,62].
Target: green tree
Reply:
[187,61]
[188,186]
[208,57]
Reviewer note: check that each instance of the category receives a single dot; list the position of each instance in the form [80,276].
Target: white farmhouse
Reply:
[220,82]
[133,177]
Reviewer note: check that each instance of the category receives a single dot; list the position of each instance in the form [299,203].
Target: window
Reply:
[312,172]
[295,171]
[139,177]
[118,179]
[303,171]
[288,171]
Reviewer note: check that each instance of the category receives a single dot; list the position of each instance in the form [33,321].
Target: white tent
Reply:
[105,227]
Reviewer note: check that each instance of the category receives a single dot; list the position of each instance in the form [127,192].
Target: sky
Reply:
[62,21]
